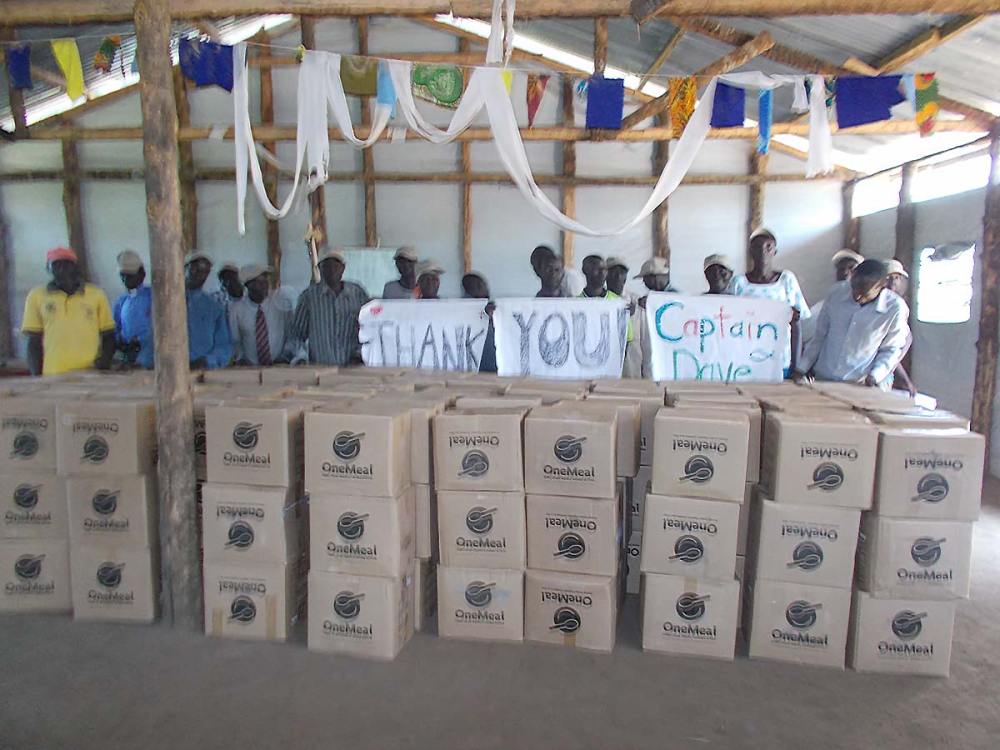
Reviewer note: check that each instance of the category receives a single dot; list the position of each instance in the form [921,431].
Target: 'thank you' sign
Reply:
[560,338]
[424,334]
[717,337]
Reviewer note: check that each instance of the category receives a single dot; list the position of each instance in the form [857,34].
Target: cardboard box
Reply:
[479,450]
[424,593]
[641,487]
[797,623]
[683,615]
[809,544]
[482,530]
[824,461]
[929,474]
[255,442]
[920,419]
[427,521]
[897,636]
[362,535]
[914,559]
[422,413]
[252,524]
[113,510]
[743,530]
[105,437]
[633,555]
[749,407]
[574,535]
[628,440]
[649,406]
[566,609]
[570,452]
[201,434]
[703,455]
[361,450]
[367,616]
[480,604]
[34,505]
[690,537]
[114,583]
[250,600]
[27,433]
[34,575]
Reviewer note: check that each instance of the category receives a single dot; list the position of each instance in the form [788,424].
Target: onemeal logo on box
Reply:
[699,468]
[907,625]
[347,447]
[25,443]
[347,609]
[926,552]
[27,570]
[566,618]
[246,435]
[95,448]
[475,463]
[568,450]
[109,578]
[828,475]
[479,521]
[801,616]
[105,504]
[25,498]
[351,528]
[691,608]
[479,596]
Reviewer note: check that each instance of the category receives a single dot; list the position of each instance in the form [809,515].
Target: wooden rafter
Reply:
[665,53]
[925,42]
[645,10]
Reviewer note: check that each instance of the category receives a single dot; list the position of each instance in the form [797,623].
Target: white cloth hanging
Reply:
[472,102]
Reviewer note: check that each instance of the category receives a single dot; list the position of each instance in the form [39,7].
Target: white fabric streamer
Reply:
[468,108]
[820,159]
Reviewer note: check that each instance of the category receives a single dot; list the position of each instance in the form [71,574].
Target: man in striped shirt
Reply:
[327,314]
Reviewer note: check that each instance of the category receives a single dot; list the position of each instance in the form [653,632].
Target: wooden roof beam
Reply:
[923,43]
[644,10]
[666,52]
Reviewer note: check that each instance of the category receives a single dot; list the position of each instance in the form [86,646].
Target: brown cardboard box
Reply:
[649,406]
[690,537]
[426,515]
[628,431]
[250,600]
[106,437]
[571,610]
[422,412]
[362,450]
[27,433]
[482,529]
[114,583]
[703,455]
[255,442]
[570,452]
[113,510]
[682,615]
[480,604]
[929,474]
[754,414]
[201,434]
[920,419]
[232,375]
[362,535]
[255,524]
[283,374]
[368,616]
[479,450]
[33,504]
[574,535]
[824,460]
[34,575]
[897,636]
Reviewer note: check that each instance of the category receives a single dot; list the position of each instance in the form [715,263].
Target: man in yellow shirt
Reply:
[67,322]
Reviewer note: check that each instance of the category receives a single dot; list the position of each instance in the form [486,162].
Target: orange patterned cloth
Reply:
[683,95]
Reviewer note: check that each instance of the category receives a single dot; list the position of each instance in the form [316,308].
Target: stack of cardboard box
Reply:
[34,530]
[915,549]
[361,528]
[690,596]
[478,472]
[253,519]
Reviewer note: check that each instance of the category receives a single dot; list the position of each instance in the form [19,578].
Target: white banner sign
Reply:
[424,334]
[717,337]
[560,338]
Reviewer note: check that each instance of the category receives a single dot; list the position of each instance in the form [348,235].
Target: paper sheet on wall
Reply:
[424,334]
[560,338]
[716,337]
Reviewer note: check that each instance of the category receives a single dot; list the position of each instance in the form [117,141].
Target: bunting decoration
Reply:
[385,92]
[18,58]
[536,90]
[68,58]
[605,102]
[927,102]
[765,117]
[440,84]
[104,58]
[508,80]
[864,99]
[683,94]
[359,75]
[729,106]
[206,63]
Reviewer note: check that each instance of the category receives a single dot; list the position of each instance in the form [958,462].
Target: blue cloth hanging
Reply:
[385,92]
[605,102]
[728,106]
[19,66]
[765,116]
[206,63]
[864,99]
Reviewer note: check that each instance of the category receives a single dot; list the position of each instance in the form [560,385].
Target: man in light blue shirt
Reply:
[861,333]
[133,312]
[209,343]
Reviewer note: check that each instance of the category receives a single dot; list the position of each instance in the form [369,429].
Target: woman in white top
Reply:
[767,282]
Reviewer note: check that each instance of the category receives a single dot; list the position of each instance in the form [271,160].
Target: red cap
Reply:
[60,253]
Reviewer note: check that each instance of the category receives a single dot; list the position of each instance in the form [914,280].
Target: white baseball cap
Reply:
[895,266]
[844,254]
[653,267]
[129,262]
[251,271]
[718,259]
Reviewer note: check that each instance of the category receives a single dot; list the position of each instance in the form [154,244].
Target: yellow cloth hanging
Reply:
[683,94]
[68,57]
[508,79]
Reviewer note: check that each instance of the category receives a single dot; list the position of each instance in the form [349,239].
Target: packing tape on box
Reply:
[217,621]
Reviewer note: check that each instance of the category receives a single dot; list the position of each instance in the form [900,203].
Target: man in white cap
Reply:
[405,287]
[898,281]
[844,263]
[133,312]
[428,279]
[230,289]
[327,314]
[209,345]
[617,275]
[655,275]
[260,321]
[718,273]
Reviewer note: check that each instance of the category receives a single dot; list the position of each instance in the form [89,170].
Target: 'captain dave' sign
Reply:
[425,334]
[716,337]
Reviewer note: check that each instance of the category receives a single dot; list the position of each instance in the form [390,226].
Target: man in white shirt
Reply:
[405,287]
[260,321]
[861,333]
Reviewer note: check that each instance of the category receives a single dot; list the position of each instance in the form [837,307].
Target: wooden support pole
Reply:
[465,162]
[906,253]
[755,214]
[568,193]
[181,590]
[270,171]
[661,235]
[600,45]
[851,225]
[185,149]
[367,154]
[317,198]
[73,205]
[666,52]
[987,346]
[15,97]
